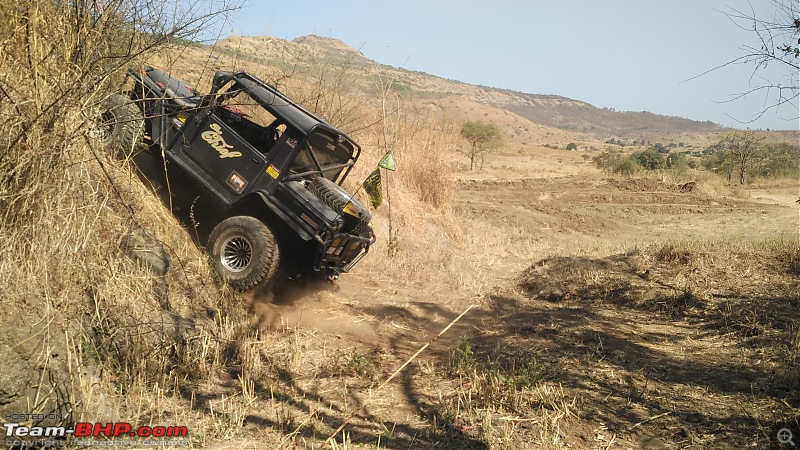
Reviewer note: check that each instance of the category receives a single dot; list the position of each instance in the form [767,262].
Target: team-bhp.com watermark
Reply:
[109,434]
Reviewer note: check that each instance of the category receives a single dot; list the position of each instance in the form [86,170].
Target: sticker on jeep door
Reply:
[214,138]
[273,171]
[237,182]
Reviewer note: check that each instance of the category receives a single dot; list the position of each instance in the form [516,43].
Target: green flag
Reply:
[372,186]
[387,162]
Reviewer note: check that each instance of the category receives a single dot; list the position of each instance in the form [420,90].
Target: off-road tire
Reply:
[337,198]
[121,124]
[244,252]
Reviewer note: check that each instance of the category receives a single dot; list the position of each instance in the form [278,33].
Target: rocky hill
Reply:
[549,110]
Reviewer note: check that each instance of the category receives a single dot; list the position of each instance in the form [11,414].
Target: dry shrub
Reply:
[712,186]
[435,183]
[65,208]
[790,256]
[426,169]
[671,253]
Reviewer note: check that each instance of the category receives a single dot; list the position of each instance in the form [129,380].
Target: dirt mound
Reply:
[667,344]
[678,279]
[618,277]
[640,184]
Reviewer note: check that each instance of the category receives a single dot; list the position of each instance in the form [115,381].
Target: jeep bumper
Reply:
[342,252]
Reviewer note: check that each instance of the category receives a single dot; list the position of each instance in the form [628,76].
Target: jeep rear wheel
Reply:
[244,252]
[121,125]
[337,199]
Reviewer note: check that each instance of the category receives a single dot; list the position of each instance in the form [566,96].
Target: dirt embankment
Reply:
[621,209]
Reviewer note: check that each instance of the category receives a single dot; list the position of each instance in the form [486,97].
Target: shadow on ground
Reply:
[658,349]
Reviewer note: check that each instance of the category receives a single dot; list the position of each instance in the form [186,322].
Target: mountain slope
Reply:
[550,110]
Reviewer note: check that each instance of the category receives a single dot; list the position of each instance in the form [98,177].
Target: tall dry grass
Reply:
[80,306]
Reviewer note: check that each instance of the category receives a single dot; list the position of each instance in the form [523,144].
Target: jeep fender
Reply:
[298,228]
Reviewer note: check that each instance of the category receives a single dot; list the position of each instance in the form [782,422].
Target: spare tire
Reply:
[121,125]
[337,198]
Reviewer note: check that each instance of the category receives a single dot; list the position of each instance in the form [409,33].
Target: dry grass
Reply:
[494,395]
[104,323]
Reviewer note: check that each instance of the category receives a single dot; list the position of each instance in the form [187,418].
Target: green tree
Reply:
[779,161]
[721,161]
[659,147]
[572,146]
[650,159]
[627,167]
[607,160]
[483,139]
[677,161]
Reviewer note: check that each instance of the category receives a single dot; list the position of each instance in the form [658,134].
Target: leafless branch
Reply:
[778,44]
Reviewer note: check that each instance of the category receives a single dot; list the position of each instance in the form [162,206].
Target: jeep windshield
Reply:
[323,153]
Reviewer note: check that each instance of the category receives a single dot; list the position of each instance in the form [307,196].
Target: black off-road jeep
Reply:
[268,162]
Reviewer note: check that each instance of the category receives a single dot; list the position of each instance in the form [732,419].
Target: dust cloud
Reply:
[306,303]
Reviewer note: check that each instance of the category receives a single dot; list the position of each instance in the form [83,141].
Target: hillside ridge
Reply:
[552,110]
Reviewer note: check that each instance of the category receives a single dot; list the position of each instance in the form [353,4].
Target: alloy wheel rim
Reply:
[236,254]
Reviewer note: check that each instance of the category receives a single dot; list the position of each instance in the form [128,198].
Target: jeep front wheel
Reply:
[244,252]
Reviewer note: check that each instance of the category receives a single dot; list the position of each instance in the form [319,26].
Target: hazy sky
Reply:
[630,55]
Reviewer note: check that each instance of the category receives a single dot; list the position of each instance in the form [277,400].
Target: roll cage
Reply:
[324,150]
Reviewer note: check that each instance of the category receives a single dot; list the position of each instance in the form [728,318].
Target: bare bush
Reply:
[64,209]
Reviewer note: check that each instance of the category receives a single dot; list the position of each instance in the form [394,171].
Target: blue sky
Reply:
[630,55]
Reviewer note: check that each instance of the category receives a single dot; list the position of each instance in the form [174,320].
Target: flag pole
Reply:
[391,247]
[387,163]
[374,186]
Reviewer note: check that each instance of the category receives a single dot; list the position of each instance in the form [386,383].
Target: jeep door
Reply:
[222,153]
